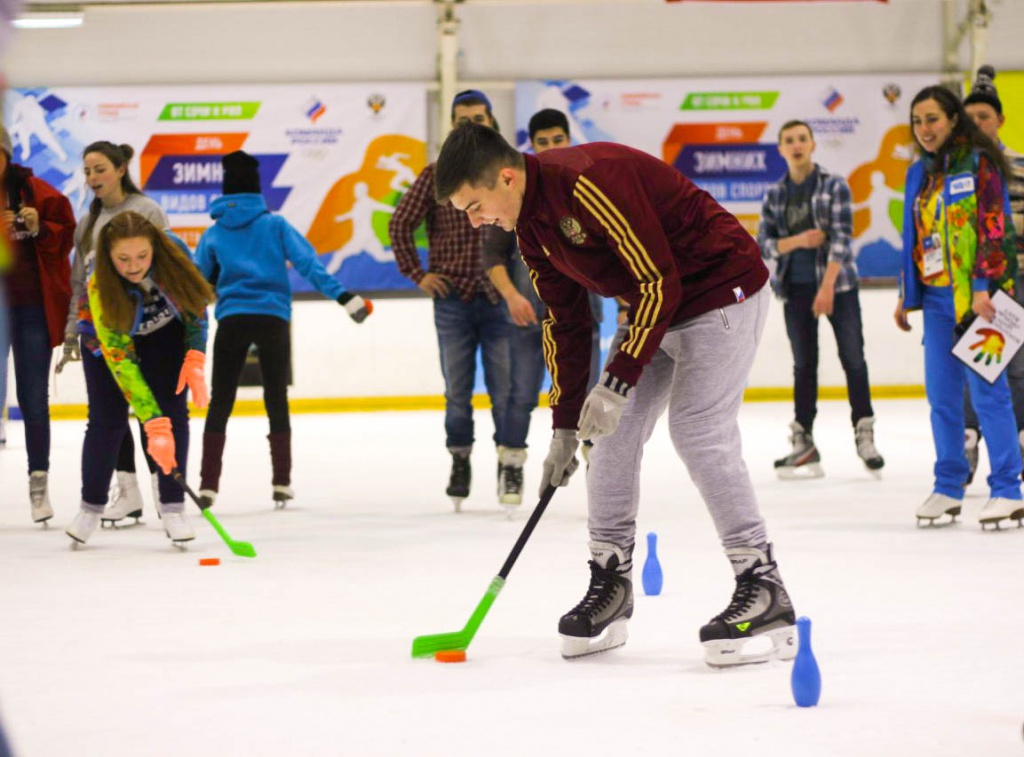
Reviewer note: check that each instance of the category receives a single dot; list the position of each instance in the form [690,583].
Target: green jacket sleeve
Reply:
[119,353]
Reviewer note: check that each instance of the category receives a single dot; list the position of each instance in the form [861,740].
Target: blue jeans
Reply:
[1014,376]
[802,328]
[462,327]
[30,342]
[527,353]
[944,378]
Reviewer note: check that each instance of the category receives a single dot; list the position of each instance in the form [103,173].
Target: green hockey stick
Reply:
[240,548]
[426,646]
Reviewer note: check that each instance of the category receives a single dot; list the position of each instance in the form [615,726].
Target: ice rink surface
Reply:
[129,647]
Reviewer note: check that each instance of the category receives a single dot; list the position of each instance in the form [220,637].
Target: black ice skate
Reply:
[459,480]
[282,496]
[760,607]
[598,622]
[510,477]
[804,461]
[864,434]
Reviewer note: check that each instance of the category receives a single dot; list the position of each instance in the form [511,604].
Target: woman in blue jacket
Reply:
[245,254]
[958,250]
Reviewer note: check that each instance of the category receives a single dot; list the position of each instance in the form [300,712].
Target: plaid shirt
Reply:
[832,211]
[454,243]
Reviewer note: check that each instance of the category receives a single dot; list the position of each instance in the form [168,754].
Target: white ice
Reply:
[129,647]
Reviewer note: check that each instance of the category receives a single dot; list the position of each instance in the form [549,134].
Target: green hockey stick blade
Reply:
[426,646]
[240,548]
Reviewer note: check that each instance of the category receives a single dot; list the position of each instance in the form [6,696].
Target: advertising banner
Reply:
[723,134]
[334,159]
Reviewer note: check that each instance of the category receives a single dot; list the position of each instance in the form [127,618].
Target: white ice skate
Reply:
[282,496]
[803,461]
[999,509]
[510,478]
[125,501]
[39,497]
[178,529]
[935,507]
[864,435]
[83,526]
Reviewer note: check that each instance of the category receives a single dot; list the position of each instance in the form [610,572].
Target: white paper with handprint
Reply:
[987,348]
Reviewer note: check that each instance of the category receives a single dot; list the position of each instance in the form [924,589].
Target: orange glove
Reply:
[192,375]
[160,443]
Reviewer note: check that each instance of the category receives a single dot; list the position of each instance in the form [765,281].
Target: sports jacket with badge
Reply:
[613,220]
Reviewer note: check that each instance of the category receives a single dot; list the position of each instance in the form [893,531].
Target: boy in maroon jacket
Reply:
[606,218]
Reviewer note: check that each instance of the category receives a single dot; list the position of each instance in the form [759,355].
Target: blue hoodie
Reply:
[244,254]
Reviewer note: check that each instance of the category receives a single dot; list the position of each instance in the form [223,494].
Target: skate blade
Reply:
[613,636]
[1017,515]
[44,522]
[729,653]
[932,521]
[457,503]
[808,471]
[115,524]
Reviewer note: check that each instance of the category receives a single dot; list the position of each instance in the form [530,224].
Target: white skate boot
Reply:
[935,507]
[999,509]
[125,501]
[864,435]
[282,495]
[598,622]
[510,477]
[804,460]
[83,525]
[760,607]
[178,529]
[39,497]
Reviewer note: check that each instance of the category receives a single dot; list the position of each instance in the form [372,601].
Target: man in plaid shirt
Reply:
[467,309]
[805,235]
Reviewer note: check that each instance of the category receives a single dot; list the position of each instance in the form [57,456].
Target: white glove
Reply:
[357,308]
[602,410]
[71,352]
[561,461]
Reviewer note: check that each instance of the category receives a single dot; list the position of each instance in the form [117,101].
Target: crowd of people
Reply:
[522,247]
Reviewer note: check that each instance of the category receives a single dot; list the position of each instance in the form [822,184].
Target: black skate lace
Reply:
[460,468]
[742,598]
[513,479]
[600,592]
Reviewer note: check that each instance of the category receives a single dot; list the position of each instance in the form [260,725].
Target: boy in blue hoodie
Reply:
[245,255]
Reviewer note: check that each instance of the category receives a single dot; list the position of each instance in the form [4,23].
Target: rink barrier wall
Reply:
[62,412]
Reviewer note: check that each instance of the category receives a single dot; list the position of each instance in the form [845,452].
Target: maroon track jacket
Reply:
[619,222]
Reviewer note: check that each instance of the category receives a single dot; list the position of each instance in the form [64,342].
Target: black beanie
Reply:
[241,173]
[984,90]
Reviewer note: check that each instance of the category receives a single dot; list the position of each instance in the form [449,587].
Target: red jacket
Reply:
[616,221]
[51,246]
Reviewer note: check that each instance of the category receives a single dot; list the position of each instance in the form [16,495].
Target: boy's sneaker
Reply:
[760,606]
[804,461]
[598,622]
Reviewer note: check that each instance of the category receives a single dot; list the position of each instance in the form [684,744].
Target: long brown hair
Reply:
[171,269]
[963,130]
[119,156]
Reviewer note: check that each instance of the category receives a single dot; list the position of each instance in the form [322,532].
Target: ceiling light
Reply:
[48,20]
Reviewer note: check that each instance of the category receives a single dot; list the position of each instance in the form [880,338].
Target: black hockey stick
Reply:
[426,646]
[240,548]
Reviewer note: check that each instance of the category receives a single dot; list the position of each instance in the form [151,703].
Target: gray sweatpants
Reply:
[699,373]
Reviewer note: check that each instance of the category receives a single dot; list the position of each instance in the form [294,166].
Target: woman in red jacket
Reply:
[40,229]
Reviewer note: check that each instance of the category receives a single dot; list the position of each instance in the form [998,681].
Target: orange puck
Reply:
[450,655]
[369,306]
[209,561]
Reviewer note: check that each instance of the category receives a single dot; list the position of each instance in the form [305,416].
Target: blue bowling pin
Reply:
[806,678]
[652,568]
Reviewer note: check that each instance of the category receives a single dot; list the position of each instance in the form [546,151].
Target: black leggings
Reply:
[272,338]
